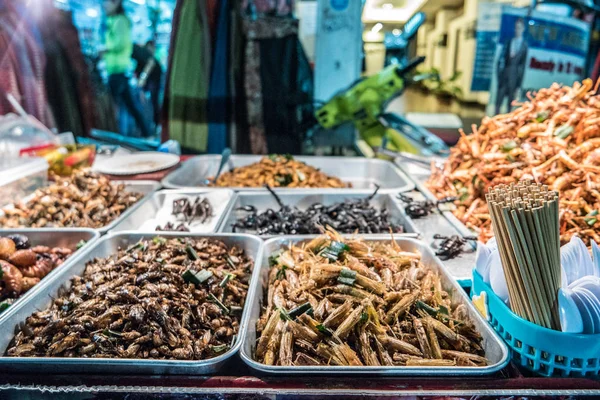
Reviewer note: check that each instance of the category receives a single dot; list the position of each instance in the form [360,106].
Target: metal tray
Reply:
[148,209]
[304,198]
[64,237]
[43,293]
[363,173]
[495,349]
[144,187]
[460,267]
[419,175]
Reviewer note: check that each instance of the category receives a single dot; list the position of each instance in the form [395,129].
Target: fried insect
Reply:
[86,199]
[163,298]
[419,209]
[327,303]
[24,268]
[553,139]
[451,246]
[278,171]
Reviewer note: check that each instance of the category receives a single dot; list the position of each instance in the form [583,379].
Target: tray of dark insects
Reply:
[359,172]
[415,321]
[197,211]
[29,257]
[139,304]
[306,212]
[419,174]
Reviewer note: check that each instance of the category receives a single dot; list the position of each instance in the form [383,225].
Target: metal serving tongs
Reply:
[423,161]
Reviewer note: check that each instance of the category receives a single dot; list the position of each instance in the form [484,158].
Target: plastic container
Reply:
[543,351]
[20,177]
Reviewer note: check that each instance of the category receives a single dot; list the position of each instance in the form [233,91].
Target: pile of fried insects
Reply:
[177,298]
[350,302]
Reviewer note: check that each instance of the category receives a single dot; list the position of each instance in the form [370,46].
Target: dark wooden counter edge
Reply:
[307,385]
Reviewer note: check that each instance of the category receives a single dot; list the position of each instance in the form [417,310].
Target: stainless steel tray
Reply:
[495,349]
[64,237]
[304,198]
[148,209]
[363,173]
[419,175]
[45,291]
[461,266]
[144,187]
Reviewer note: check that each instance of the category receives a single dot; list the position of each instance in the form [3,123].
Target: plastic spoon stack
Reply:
[526,225]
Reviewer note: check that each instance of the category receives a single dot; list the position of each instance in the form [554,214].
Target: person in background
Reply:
[117,55]
[511,67]
[149,74]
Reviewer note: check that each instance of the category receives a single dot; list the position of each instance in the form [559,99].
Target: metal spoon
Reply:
[224,160]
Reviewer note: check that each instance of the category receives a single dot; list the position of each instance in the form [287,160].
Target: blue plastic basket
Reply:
[543,351]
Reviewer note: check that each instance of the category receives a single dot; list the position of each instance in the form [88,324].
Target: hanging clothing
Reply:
[67,78]
[188,78]
[22,64]
[219,85]
[274,95]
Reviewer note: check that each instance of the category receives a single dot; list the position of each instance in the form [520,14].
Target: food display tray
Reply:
[495,349]
[437,223]
[302,199]
[362,173]
[419,175]
[144,187]
[64,237]
[153,203]
[42,295]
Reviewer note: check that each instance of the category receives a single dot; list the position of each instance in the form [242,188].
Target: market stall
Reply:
[284,275]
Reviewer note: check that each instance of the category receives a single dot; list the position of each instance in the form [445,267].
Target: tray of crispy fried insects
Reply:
[138,304]
[335,304]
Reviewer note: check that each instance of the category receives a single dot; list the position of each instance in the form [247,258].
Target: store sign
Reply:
[519,51]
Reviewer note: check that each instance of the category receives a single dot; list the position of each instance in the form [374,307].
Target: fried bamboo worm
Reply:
[453,354]
[325,351]
[344,352]
[399,345]
[443,330]
[364,345]
[338,315]
[436,352]
[358,293]
[286,347]
[422,337]
[266,334]
[370,284]
[303,332]
[273,345]
[403,358]
[346,326]
[401,307]
[383,354]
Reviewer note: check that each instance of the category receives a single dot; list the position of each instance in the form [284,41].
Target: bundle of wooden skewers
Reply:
[526,223]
